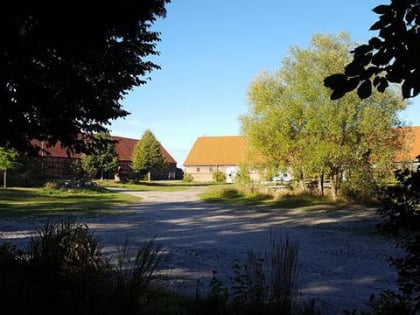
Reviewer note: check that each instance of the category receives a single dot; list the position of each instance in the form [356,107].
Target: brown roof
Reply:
[124,148]
[225,150]
[230,150]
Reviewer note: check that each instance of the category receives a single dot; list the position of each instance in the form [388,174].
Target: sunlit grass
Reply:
[231,194]
[15,202]
[173,185]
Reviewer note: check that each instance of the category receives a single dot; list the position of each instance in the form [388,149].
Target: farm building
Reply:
[56,163]
[215,154]
[227,153]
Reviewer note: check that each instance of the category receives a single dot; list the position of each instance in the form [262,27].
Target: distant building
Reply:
[227,153]
[215,154]
[56,163]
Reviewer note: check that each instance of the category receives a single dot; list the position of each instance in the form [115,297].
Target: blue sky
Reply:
[210,52]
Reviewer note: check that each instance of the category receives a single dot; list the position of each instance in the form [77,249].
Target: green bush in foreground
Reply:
[64,272]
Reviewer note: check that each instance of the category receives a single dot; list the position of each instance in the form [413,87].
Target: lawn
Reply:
[16,202]
[230,194]
[173,185]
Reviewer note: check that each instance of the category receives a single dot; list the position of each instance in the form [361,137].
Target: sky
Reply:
[211,50]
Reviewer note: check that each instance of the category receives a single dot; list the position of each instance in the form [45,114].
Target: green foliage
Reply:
[399,202]
[188,178]
[65,270]
[391,57]
[400,213]
[293,123]
[8,161]
[219,177]
[66,73]
[101,157]
[243,179]
[147,155]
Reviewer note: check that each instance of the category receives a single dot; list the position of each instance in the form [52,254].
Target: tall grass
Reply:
[265,282]
[283,258]
[63,271]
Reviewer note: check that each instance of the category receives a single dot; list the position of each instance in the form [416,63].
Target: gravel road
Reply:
[342,258]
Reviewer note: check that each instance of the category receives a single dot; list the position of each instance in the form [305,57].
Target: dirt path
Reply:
[342,259]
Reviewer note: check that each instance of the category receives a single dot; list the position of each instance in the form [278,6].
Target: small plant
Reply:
[64,270]
[188,178]
[263,282]
[219,177]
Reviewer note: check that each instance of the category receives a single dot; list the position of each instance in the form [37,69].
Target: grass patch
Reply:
[230,194]
[175,185]
[16,202]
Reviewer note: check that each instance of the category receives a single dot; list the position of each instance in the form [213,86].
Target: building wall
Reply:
[204,173]
[56,167]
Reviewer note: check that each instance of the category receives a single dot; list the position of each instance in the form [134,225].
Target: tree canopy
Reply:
[66,66]
[293,123]
[101,156]
[147,155]
[390,57]
[8,161]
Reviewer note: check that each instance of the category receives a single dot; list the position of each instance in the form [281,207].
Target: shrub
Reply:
[243,179]
[219,177]
[400,202]
[64,271]
[188,178]
[400,213]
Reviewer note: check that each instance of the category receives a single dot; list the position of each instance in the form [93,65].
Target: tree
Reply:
[66,67]
[8,161]
[391,57]
[293,123]
[147,155]
[101,156]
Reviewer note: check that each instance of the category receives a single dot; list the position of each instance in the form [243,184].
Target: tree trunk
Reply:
[5,179]
[321,184]
[302,181]
[334,185]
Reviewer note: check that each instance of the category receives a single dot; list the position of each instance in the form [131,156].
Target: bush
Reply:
[401,214]
[219,177]
[188,178]
[64,271]
[400,202]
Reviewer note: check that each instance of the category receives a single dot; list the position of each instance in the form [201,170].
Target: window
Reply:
[211,169]
[198,169]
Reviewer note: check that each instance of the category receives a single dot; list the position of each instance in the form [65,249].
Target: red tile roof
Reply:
[124,148]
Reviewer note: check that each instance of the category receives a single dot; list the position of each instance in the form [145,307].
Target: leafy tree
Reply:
[293,123]
[8,161]
[66,68]
[101,156]
[147,155]
[391,57]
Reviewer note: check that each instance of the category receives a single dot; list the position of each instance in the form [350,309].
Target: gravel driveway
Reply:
[342,259]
